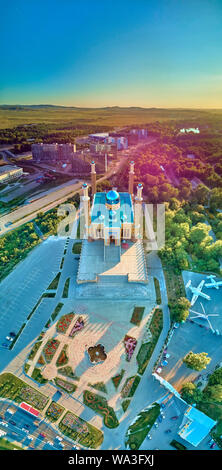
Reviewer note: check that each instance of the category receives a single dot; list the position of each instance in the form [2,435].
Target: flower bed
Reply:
[64,322]
[15,389]
[50,349]
[79,325]
[117,379]
[54,411]
[41,360]
[63,358]
[100,405]
[67,386]
[137,315]
[130,386]
[130,344]
[79,430]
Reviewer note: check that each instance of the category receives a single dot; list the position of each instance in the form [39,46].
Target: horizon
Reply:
[106,54]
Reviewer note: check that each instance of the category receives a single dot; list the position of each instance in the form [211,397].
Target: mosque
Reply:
[112,248]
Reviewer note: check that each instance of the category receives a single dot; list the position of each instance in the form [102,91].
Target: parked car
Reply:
[160,419]
[12,422]
[213,445]
[162,405]
[168,431]
[156,425]
[12,334]
[149,436]
[174,417]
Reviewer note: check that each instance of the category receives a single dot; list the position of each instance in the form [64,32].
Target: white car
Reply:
[9,338]
[59,438]
[4,424]
[25,430]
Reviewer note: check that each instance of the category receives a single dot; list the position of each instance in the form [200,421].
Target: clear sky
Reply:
[150,53]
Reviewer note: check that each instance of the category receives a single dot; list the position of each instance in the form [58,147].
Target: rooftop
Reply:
[7,168]
[124,214]
[195,426]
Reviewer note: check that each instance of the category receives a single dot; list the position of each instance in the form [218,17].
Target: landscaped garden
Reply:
[137,315]
[67,386]
[68,372]
[34,350]
[117,379]
[79,325]
[141,426]
[99,386]
[146,350]
[130,344]
[130,386]
[15,389]
[56,311]
[37,375]
[66,288]
[76,249]
[63,358]
[100,405]
[157,288]
[79,430]
[54,284]
[64,322]
[50,349]
[54,411]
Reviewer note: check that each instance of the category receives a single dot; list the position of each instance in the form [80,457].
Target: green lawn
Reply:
[138,431]
[76,249]
[146,350]
[66,288]
[6,445]
[158,293]
[56,311]
[54,284]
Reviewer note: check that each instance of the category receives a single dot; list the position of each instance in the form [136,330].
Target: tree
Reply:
[214,393]
[180,309]
[197,361]
[201,194]
[190,393]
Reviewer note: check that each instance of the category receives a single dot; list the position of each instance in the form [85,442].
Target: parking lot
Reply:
[167,430]
[23,287]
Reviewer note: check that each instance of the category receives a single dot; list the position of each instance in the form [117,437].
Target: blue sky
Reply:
[163,53]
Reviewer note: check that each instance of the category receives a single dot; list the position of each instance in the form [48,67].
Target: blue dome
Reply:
[112,197]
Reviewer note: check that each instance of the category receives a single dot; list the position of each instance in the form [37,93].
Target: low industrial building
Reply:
[195,426]
[9,173]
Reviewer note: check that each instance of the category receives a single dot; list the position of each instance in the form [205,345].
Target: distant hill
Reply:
[18,114]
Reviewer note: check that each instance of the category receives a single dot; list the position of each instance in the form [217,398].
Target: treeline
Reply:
[188,241]
[50,133]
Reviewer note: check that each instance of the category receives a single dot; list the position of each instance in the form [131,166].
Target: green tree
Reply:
[196,361]
[180,309]
[191,393]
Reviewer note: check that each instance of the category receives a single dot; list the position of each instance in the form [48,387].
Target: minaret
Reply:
[138,221]
[86,208]
[131,178]
[93,178]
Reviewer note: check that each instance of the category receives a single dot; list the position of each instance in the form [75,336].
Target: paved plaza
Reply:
[98,261]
